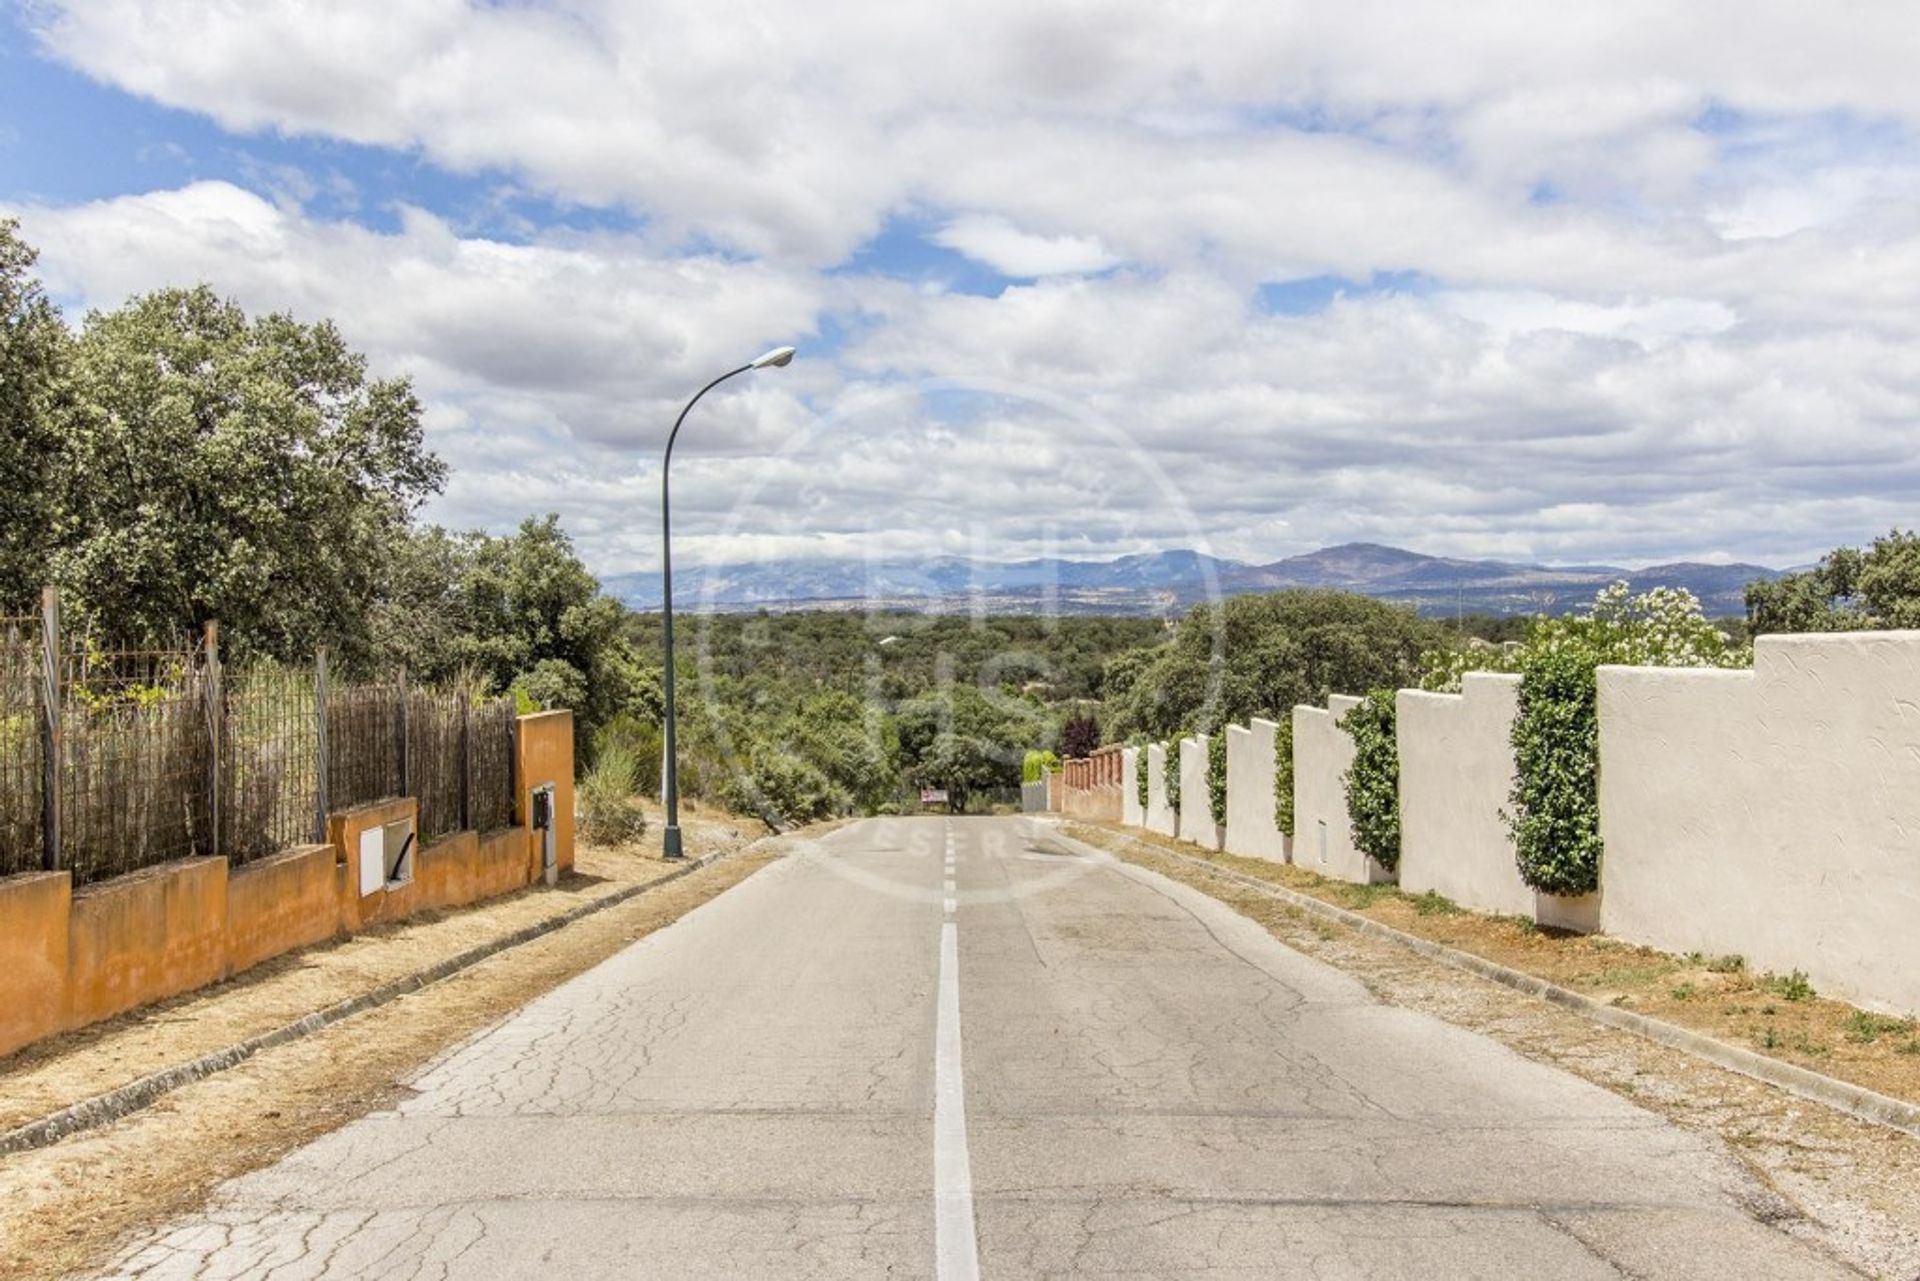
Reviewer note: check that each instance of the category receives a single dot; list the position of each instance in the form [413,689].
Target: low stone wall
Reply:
[1251,831]
[1323,833]
[69,959]
[1196,815]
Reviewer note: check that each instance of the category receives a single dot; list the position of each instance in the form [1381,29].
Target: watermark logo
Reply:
[914,656]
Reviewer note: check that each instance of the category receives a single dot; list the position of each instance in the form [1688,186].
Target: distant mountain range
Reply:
[1170,581]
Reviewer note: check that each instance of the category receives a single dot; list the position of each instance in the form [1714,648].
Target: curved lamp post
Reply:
[670,839]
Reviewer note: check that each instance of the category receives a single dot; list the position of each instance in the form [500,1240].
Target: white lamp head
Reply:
[777,357]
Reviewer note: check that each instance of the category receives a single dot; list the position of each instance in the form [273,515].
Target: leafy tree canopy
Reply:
[1851,589]
[34,351]
[216,467]
[1274,651]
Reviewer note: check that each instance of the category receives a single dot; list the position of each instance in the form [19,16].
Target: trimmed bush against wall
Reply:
[1373,780]
[1217,777]
[1283,775]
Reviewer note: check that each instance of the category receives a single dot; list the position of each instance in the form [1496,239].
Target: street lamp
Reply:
[670,839]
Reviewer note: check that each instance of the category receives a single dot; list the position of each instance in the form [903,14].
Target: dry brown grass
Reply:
[1776,1015]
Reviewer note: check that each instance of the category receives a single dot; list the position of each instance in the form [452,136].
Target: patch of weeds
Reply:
[1911,1046]
[1731,963]
[1790,987]
[1806,1045]
[1433,903]
[1633,975]
[1361,897]
[1684,992]
[1864,1028]
[1769,1008]
[1522,924]
[1768,1038]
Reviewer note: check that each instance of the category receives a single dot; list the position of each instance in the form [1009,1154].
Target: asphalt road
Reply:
[1020,1058]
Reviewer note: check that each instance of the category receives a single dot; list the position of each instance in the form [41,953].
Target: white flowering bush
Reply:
[1555,817]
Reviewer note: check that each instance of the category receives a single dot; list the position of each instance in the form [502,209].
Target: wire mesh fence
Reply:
[366,737]
[269,779]
[159,753]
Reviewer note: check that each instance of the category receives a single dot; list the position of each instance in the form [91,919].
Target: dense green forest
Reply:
[798,714]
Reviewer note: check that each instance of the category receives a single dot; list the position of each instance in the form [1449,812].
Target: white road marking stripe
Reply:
[956,1252]
[950,907]
[948,887]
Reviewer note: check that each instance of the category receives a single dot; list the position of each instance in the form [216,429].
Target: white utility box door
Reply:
[373,860]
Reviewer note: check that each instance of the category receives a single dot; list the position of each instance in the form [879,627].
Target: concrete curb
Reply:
[101,1109]
[1854,1100]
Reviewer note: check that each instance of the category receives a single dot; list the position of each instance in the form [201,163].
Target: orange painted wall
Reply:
[34,912]
[545,749]
[503,862]
[343,832]
[446,871]
[279,903]
[142,937]
[68,959]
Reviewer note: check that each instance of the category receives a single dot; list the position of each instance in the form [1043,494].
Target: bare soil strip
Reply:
[1852,1186]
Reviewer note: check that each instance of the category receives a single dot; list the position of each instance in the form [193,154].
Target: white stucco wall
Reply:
[1456,774]
[1251,831]
[1323,831]
[1196,814]
[1160,815]
[1131,812]
[1773,813]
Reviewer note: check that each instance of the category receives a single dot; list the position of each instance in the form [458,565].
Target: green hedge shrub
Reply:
[1283,774]
[1217,776]
[1142,780]
[1036,764]
[1555,817]
[1171,773]
[1373,780]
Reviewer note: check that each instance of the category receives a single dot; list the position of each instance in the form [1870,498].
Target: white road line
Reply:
[950,907]
[956,1251]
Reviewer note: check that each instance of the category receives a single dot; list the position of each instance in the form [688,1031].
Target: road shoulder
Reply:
[1846,1185]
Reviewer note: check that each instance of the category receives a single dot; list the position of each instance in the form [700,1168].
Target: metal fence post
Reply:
[216,732]
[50,729]
[321,766]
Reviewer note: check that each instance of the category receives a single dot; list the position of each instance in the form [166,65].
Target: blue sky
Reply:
[1254,279]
